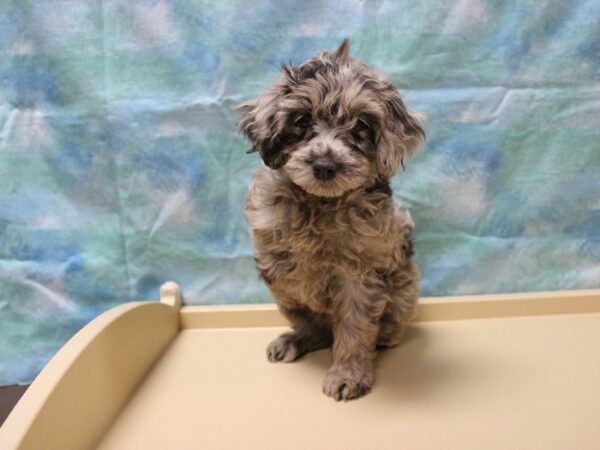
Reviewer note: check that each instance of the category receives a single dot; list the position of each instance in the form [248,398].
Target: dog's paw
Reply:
[344,382]
[283,349]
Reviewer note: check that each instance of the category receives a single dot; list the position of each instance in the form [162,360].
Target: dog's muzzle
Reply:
[324,169]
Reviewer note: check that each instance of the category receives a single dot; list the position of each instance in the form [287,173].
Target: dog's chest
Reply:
[303,252]
[327,238]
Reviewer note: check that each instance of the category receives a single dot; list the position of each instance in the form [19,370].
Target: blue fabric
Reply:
[120,166]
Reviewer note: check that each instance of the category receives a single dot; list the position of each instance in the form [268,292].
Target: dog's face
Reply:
[332,125]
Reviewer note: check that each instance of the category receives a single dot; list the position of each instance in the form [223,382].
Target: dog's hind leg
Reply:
[310,333]
[404,293]
[391,327]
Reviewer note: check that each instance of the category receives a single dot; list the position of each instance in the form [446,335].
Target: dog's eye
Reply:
[362,129]
[304,121]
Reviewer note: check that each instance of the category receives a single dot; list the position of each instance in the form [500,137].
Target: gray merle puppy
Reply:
[330,243]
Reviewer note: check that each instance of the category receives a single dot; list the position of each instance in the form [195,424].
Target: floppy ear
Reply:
[259,124]
[403,135]
[343,51]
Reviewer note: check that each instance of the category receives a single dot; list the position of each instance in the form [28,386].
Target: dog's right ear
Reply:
[247,123]
[260,126]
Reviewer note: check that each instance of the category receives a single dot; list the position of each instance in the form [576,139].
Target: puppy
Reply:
[329,241]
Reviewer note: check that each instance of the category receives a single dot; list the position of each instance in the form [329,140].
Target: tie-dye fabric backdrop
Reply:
[120,165]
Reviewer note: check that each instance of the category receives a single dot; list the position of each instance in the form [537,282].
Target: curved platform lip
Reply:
[72,361]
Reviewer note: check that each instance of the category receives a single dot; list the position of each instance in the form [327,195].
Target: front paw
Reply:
[284,349]
[347,381]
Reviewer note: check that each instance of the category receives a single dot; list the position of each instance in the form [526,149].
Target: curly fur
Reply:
[336,252]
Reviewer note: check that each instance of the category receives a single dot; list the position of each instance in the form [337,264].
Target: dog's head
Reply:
[332,125]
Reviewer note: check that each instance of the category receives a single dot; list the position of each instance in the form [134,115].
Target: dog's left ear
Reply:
[403,135]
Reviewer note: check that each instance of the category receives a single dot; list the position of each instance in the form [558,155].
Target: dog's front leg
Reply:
[355,331]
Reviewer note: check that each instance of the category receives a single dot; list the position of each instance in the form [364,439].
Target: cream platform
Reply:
[488,372]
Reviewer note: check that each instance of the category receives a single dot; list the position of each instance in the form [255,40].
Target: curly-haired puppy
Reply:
[329,242]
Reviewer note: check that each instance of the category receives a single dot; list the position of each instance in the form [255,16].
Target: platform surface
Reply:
[506,383]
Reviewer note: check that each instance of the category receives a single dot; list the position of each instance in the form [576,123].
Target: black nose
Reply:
[324,169]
